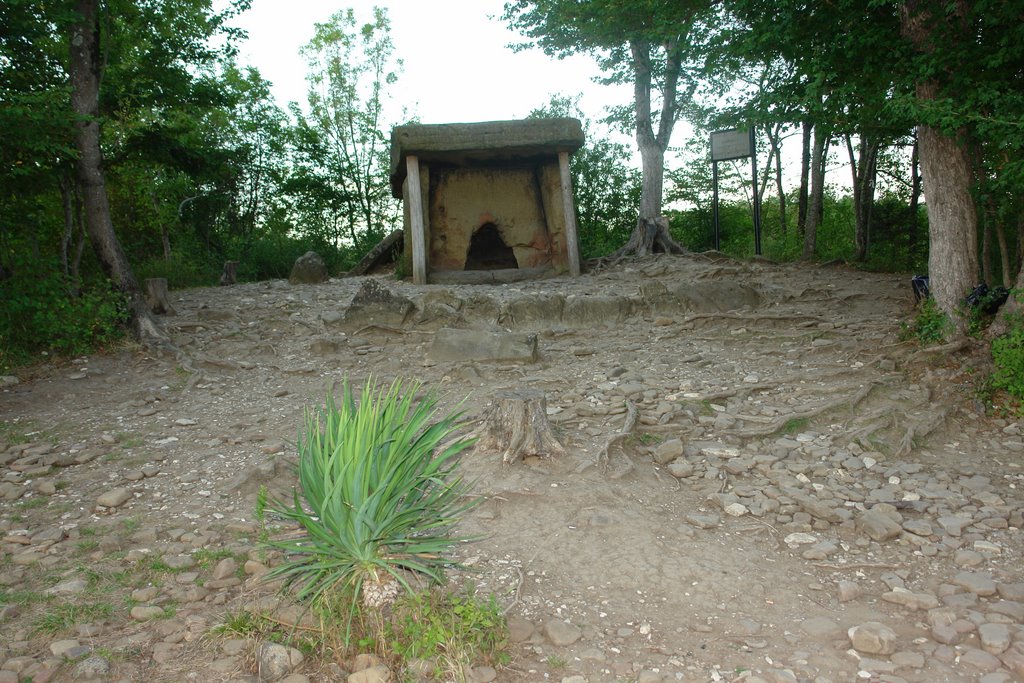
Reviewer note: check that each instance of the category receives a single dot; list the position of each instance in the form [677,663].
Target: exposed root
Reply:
[856,565]
[752,317]
[628,430]
[779,422]
[951,347]
[921,430]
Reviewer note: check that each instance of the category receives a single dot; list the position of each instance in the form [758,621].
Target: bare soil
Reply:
[784,384]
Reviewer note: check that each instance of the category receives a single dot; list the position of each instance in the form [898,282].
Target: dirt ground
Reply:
[796,472]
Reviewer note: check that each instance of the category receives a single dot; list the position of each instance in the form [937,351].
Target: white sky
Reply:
[457,66]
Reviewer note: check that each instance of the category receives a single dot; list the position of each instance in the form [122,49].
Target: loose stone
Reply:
[978,583]
[561,633]
[879,526]
[995,638]
[873,637]
[114,498]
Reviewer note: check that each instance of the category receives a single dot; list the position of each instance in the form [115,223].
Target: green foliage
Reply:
[378,496]
[1008,360]
[341,157]
[605,186]
[930,325]
[39,311]
[454,631]
[182,270]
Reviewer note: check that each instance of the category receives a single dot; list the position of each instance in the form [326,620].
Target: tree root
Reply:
[628,430]
[779,422]
[921,430]
[753,318]
[951,347]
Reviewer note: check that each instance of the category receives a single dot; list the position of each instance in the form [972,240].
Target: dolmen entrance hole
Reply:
[487,200]
[488,251]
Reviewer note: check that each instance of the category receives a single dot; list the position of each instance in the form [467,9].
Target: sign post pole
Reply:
[727,145]
[714,204]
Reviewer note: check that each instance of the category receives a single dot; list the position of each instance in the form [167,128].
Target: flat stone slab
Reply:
[454,345]
[460,142]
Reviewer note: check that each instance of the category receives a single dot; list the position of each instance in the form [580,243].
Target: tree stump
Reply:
[517,424]
[156,296]
[228,277]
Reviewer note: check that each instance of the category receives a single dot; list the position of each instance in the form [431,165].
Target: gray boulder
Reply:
[309,269]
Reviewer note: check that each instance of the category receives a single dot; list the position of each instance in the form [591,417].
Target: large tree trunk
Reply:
[945,171]
[651,230]
[815,208]
[85,71]
[952,221]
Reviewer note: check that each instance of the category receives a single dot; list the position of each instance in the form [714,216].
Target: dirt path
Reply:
[797,473]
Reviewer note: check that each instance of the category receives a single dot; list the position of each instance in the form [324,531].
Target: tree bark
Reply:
[945,171]
[915,197]
[863,170]
[517,425]
[776,143]
[815,208]
[157,298]
[805,171]
[651,230]
[85,70]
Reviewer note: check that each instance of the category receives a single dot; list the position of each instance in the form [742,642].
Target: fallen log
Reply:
[383,253]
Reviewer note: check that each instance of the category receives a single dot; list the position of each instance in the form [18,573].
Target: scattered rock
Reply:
[561,633]
[873,637]
[114,498]
[277,661]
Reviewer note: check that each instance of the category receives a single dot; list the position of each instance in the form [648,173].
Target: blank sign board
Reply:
[730,144]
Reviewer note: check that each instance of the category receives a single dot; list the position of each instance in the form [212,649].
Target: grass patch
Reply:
[795,425]
[22,597]
[207,559]
[258,627]
[454,631]
[32,503]
[64,616]
[129,440]
[556,662]
[86,546]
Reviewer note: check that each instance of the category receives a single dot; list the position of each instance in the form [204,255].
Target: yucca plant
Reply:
[377,496]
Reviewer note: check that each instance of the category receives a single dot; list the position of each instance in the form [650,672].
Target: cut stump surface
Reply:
[516,424]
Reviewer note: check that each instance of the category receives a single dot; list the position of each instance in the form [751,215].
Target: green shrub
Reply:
[1008,360]
[378,496]
[930,325]
[182,270]
[40,312]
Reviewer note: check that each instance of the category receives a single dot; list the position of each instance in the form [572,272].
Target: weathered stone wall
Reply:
[523,203]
